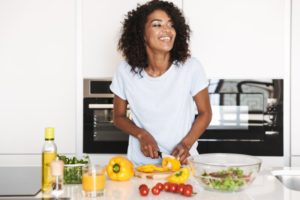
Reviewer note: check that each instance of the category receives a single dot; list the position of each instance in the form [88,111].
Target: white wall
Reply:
[37,79]
[238,39]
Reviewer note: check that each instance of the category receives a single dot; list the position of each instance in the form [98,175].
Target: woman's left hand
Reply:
[181,152]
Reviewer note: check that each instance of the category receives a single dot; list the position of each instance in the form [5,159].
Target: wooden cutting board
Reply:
[152,175]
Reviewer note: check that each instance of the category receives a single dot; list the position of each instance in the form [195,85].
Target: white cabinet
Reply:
[238,39]
[38,77]
[295,161]
[101,26]
[295,80]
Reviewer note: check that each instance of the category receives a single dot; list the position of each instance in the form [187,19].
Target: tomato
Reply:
[160,186]
[173,187]
[180,188]
[167,186]
[144,190]
[143,185]
[155,190]
[189,186]
[187,191]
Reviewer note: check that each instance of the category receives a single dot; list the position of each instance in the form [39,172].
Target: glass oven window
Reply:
[234,111]
[103,127]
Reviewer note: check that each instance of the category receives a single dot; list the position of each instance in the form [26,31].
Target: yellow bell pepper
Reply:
[120,168]
[172,164]
[151,168]
[180,176]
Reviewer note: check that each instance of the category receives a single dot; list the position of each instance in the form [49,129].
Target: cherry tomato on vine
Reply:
[160,186]
[167,186]
[187,191]
[173,187]
[180,188]
[155,190]
[144,190]
[189,186]
[143,185]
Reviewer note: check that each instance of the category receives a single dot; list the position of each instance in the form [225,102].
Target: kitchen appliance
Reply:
[247,118]
[99,133]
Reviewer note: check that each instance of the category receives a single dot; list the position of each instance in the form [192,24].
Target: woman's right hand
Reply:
[148,144]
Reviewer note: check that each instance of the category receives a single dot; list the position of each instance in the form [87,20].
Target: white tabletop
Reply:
[264,187]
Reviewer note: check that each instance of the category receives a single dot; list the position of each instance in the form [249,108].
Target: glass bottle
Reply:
[49,153]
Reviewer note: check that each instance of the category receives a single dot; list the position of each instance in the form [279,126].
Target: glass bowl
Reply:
[73,173]
[224,172]
[73,168]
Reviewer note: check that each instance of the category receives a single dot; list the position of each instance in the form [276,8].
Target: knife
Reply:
[163,155]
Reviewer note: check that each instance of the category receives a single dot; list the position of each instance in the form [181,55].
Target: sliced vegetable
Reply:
[151,168]
[172,164]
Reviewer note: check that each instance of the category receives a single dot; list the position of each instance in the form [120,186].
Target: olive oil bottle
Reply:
[48,155]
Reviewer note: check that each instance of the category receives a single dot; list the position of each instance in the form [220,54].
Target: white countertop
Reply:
[264,187]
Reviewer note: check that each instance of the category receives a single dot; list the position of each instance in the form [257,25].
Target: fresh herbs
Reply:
[73,160]
[73,168]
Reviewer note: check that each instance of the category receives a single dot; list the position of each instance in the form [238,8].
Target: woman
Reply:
[161,84]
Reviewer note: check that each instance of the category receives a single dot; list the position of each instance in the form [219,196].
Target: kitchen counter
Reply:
[264,187]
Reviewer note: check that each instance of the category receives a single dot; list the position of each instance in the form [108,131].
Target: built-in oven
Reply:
[247,118]
[99,133]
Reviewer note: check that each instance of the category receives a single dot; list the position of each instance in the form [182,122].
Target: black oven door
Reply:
[99,133]
[243,123]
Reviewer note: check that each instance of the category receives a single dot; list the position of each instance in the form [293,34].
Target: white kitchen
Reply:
[49,47]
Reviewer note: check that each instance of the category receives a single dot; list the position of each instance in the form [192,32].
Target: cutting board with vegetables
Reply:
[168,166]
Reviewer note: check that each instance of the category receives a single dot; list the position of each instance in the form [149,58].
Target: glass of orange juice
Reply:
[93,180]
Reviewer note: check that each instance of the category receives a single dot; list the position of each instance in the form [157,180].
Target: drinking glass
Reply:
[93,180]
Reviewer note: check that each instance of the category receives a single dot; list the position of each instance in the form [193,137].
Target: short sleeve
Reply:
[198,77]
[117,86]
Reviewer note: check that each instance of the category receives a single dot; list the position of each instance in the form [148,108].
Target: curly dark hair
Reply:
[132,44]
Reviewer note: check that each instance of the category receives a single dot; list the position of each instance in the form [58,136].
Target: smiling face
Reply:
[159,32]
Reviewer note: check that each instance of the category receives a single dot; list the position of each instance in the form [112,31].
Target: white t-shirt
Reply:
[163,105]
